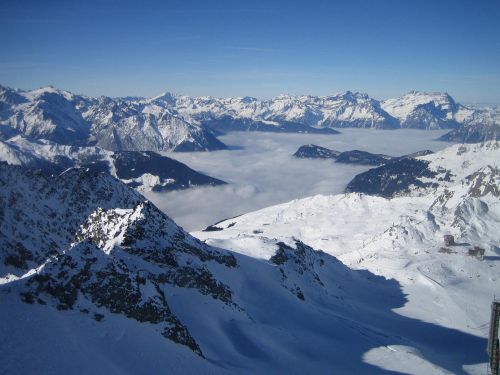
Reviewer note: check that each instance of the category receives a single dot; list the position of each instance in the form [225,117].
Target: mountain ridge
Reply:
[143,170]
[171,122]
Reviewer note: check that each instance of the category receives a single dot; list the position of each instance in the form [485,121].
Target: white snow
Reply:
[398,238]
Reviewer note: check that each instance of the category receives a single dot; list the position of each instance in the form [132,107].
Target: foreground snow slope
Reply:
[401,238]
[93,278]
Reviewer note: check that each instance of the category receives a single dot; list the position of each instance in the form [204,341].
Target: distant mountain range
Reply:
[172,122]
[110,123]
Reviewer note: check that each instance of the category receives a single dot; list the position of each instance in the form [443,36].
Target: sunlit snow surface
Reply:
[402,239]
[261,171]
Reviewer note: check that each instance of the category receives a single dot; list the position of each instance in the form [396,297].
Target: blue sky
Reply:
[255,48]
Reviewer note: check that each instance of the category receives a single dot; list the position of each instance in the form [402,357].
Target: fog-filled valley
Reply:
[261,171]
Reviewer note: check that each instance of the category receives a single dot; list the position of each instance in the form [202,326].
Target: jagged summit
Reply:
[167,97]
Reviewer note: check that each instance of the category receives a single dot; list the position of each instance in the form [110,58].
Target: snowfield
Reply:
[402,239]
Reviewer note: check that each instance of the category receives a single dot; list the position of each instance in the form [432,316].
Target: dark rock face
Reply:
[362,157]
[207,142]
[212,228]
[484,181]
[228,123]
[474,133]
[347,157]
[110,286]
[393,178]
[297,265]
[104,249]
[133,164]
[6,132]
[430,116]
[387,123]
[316,152]
[352,157]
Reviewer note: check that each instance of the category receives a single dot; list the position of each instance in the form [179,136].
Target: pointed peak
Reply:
[51,90]
[248,99]
[166,96]
[354,95]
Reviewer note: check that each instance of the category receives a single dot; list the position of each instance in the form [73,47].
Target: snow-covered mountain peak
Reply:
[167,97]
[11,96]
[247,99]
[353,95]
[50,91]
[427,110]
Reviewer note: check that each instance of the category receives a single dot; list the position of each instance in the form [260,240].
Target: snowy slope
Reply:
[94,278]
[44,113]
[429,111]
[145,171]
[402,238]
[419,175]
[482,126]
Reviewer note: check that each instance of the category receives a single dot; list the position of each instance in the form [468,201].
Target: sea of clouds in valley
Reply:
[261,171]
